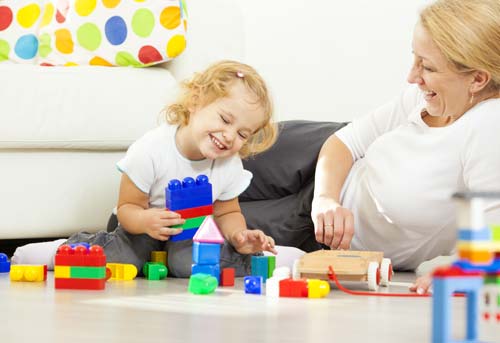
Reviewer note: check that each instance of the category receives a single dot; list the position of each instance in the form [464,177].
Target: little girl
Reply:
[223,114]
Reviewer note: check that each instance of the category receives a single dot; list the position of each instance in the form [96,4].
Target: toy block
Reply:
[253,284]
[80,256]
[83,244]
[4,263]
[492,279]
[495,233]
[184,235]
[478,245]
[196,211]
[271,265]
[446,281]
[87,272]
[260,266]
[476,256]
[474,235]
[123,271]
[202,284]
[87,284]
[190,223]
[189,193]
[209,232]
[154,271]
[206,253]
[293,288]
[29,273]
[211,269]
[317,288]
[227,277]
[62,272]
[159,256]
[273,287]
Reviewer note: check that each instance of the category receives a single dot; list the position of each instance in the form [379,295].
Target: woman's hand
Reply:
[252,241]
[157,223]
[422,284]
[333,224]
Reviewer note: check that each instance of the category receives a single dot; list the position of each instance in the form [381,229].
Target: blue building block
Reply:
[253,284]
[4,263]
[444,287]
[184,235]
[211,269]
[467,266]
[260,266]
[206,253]
[83,244]
[188,193]
[474,235]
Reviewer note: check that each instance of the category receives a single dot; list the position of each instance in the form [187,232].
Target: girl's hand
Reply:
[252,241]
[157,223]
[422,284]
[333,224]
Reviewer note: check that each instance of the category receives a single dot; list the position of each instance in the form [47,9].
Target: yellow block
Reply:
[317,288]
[122,271]
[62,272]
[159,256]
[27,273]
[476,256]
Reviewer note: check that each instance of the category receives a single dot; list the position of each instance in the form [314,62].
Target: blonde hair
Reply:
[214,83]
[468,33]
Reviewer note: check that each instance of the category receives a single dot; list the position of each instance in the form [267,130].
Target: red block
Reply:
[196,211]
[89,284]
[293,288]
[227,277]
[80,256]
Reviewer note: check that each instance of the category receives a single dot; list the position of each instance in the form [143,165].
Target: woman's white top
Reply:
[399,188]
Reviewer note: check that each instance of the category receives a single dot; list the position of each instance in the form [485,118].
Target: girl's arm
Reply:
[136,217]
[232,224]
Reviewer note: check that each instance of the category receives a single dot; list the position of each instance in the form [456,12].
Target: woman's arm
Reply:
[136,217]
[333,224]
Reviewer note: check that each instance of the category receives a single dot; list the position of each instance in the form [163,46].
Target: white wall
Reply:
[330,60]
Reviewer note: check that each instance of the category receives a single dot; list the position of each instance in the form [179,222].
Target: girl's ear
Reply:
[480,80]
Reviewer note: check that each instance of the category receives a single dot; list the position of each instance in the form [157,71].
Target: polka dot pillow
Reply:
[19,23]
[100,32]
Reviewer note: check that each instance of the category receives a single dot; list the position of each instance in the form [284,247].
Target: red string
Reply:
[333,277]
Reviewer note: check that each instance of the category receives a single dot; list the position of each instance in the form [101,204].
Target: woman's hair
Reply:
[468,33]
[214,83]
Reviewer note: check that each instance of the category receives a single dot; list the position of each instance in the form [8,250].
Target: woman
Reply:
[384,182]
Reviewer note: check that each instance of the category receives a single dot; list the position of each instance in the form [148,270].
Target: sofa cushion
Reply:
[80,108]
[278,201]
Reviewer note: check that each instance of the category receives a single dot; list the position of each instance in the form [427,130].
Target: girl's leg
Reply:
[37,253]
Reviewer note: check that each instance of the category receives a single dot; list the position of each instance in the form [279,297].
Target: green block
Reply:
[492,280]
[200,283]
[191,223]
[271,265]
[87,272]
[155,270]
[495,232]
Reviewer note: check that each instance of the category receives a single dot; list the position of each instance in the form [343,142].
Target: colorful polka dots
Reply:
[28,15]
[92,32]
[5,17]
[26,46]
[116,30]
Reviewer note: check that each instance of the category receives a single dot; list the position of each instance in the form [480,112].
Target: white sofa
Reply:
[63,129]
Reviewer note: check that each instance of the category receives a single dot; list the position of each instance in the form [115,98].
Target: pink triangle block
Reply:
[208,232]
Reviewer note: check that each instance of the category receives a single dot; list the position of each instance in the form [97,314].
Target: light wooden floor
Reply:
[163,311]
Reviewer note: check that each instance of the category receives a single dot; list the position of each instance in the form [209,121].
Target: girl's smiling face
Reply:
[221,128]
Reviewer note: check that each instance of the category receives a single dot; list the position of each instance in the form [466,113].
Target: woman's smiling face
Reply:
[447,92]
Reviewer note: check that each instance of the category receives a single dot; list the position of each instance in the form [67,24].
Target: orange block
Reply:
[476,256]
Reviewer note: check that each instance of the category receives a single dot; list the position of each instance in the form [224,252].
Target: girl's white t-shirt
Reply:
[405,172]
[153,160]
